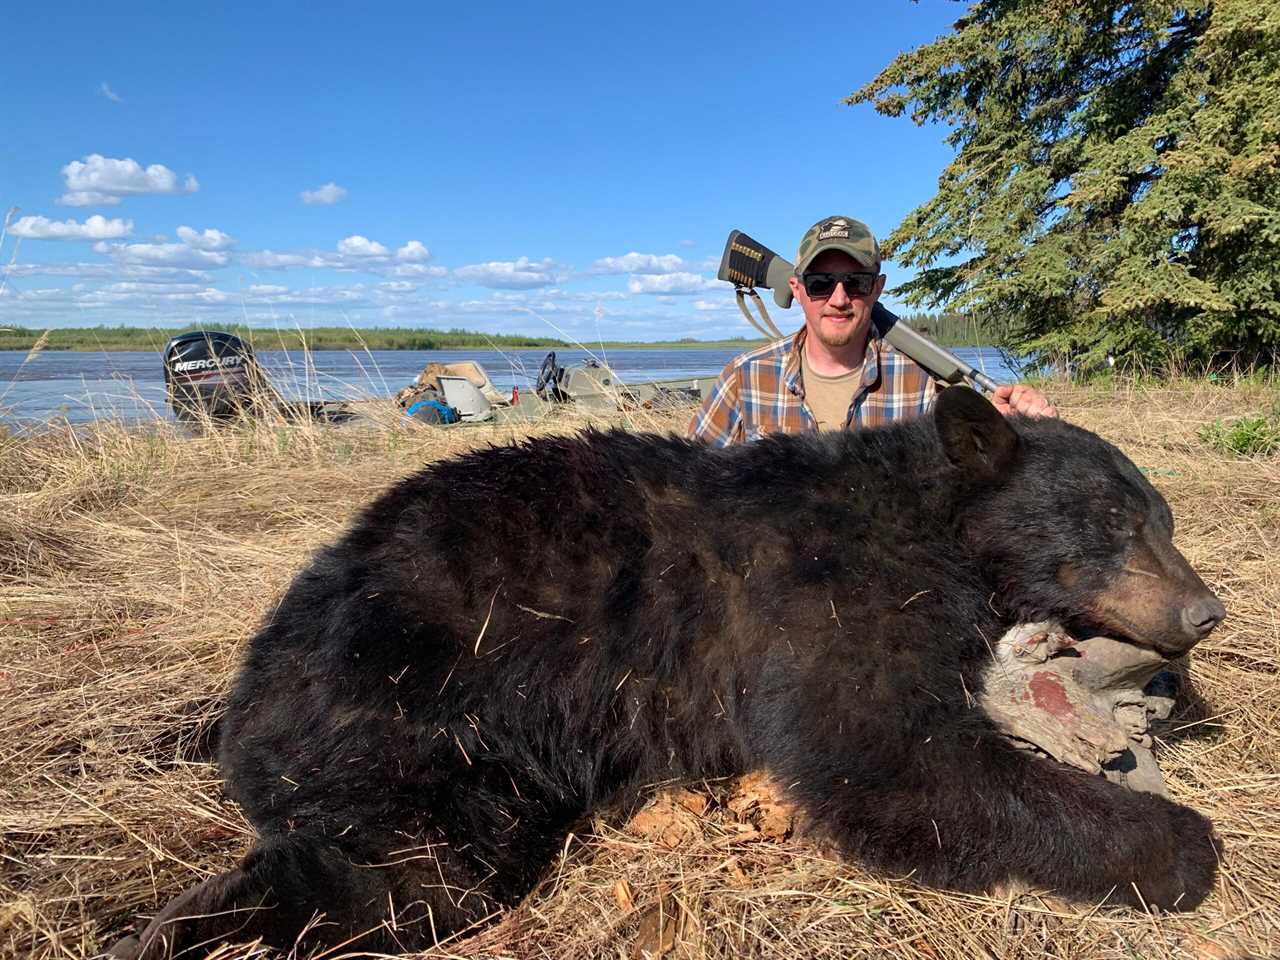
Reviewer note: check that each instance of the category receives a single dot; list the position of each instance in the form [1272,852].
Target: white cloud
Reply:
[57,270]
[522,274]
[313,296]
[358,246]
[705,305]
[106,271]
[151,288]
[96,227]
[688,243]
[110,94]
[88,198]
[210,239]
[41,295]
[129,290]
[313,260]
[397,286]
[164,254]
[99,180]
[198,250]
[353,254]
[152,274]
[153,295]
[270,260]
[325,196]
[413,252]
[670,283]
[493,307]
[633,262]
[596,297]
[208,295]
[417,270]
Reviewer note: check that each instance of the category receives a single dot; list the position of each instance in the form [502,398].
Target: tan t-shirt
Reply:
[828,398]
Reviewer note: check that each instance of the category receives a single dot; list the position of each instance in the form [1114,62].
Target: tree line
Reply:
[1115,190]
[948,329]
[312,338]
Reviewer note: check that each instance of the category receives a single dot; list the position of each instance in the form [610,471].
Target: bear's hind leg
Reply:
[295,890]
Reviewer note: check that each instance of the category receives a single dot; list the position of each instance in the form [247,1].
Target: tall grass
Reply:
[134,565]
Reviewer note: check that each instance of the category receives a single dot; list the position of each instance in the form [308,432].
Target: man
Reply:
[837,372]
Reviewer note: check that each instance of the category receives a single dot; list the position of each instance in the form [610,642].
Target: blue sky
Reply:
[495,169]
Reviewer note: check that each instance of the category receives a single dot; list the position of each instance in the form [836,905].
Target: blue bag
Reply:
[433,411]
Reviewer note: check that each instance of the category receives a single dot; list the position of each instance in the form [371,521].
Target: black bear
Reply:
[511,639]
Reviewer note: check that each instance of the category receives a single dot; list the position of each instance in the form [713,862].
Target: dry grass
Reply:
[133,568]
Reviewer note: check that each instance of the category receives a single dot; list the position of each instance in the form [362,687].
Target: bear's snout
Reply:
[1200,617]
[1154,599]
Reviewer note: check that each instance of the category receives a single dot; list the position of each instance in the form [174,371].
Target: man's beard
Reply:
[839,337]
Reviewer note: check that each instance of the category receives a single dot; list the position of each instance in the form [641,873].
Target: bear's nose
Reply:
[1199,618]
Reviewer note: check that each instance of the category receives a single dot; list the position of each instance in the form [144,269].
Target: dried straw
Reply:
[133,567]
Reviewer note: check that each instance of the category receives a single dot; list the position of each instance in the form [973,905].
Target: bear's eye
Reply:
[1120,522]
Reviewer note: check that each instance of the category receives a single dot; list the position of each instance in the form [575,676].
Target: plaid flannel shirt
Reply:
[762,392]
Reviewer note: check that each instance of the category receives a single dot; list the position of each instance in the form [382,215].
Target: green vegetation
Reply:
[954,329]
[315,338]
[1256,436]
[948,329]
[1116,185]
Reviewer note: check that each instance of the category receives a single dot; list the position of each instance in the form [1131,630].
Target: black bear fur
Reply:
[509,640]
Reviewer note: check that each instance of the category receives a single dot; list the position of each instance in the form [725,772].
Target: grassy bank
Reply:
[314,338]
[98,339]
[133,568]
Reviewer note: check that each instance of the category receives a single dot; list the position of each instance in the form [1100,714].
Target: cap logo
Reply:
[834,228]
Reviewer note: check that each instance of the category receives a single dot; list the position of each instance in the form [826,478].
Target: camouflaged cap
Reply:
[839,233]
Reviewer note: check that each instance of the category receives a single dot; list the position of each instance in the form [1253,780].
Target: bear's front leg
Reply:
[957,807]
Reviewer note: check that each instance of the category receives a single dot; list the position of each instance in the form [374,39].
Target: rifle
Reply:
[748,264]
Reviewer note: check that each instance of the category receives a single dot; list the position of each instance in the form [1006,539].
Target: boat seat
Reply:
[467,398]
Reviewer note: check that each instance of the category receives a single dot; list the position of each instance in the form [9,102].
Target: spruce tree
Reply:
[1116,182]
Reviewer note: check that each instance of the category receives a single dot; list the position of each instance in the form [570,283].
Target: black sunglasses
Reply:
[823,285]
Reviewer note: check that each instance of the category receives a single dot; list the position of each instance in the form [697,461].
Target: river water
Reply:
[80,387]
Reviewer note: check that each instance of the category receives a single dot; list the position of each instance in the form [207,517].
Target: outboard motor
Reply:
[210,375]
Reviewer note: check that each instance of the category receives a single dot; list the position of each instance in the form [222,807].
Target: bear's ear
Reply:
[975,436]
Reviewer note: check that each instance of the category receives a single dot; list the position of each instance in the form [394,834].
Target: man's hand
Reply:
[1019,398]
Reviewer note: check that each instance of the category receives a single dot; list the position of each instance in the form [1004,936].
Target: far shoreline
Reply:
[596,345]
[153,339]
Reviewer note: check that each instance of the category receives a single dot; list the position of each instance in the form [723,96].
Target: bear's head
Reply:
[1069,530]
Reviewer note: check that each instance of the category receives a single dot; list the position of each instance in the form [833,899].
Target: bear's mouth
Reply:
[1083,627]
